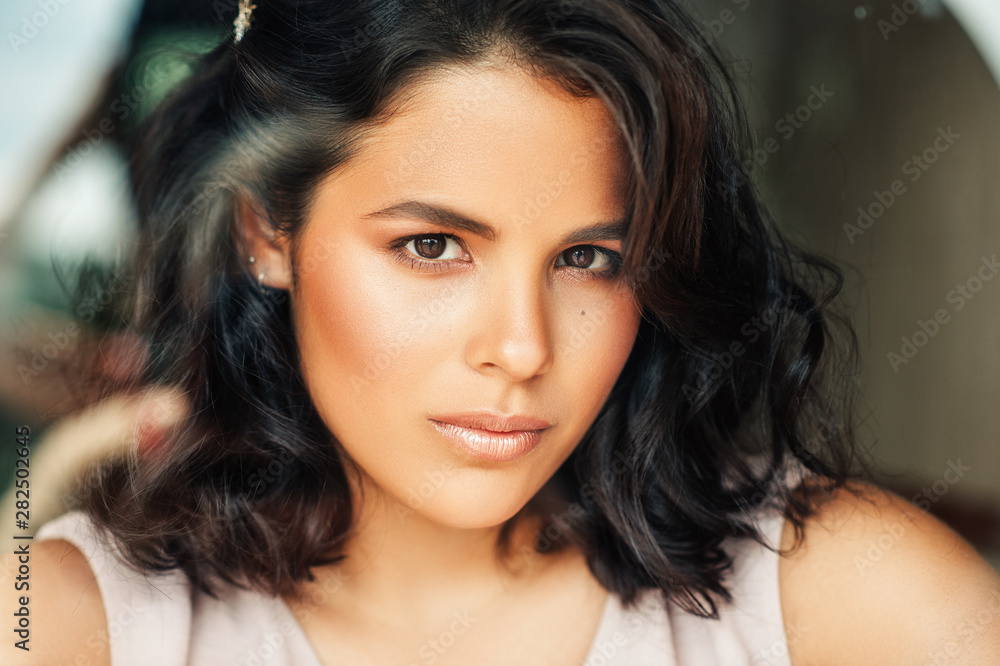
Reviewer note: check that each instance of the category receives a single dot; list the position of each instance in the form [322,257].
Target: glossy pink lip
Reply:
[493,421]
[492,437]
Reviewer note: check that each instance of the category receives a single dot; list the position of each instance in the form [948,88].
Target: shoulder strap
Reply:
[148,616]
[757,600]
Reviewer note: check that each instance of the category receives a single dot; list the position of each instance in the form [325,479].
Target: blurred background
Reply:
[878,134]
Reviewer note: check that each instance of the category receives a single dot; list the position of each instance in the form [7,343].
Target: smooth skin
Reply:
[511,319]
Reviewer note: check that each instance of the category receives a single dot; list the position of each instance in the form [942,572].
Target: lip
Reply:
[493,421]
[490,436]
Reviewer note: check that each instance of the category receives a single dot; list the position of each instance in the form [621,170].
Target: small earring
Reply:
[260,276]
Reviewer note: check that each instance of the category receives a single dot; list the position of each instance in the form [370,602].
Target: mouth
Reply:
[492,437]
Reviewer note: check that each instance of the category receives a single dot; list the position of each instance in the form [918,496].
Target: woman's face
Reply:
[464,262]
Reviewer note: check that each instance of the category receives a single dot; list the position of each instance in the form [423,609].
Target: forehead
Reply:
[496,141]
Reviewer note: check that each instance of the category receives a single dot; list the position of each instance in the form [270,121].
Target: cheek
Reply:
[595,341]
[362,335]
[598,350]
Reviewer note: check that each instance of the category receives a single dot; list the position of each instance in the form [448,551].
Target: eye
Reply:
[584,257]
[429,251]
[431,246]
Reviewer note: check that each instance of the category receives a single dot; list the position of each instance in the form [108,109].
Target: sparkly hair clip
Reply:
[242,22]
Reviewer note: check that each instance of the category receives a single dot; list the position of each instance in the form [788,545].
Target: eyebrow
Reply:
[450,219]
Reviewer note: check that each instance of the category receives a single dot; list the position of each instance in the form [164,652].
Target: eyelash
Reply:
[398,247]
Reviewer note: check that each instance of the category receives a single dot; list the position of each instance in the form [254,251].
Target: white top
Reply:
[162,620]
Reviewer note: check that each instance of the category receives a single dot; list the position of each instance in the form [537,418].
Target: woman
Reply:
[492,355]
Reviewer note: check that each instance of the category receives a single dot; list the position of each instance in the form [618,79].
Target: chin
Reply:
[466,500]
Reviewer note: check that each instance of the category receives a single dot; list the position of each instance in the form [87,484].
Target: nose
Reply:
[511,330]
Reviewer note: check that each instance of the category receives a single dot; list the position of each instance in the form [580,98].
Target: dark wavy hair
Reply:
[734,391]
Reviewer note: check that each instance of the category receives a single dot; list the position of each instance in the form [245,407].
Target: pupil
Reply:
[582,256]
[430,247]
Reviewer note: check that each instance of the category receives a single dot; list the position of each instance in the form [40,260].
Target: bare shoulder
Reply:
[52,587]
[878,581]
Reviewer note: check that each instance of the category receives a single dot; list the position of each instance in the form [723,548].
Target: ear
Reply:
[271,251]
